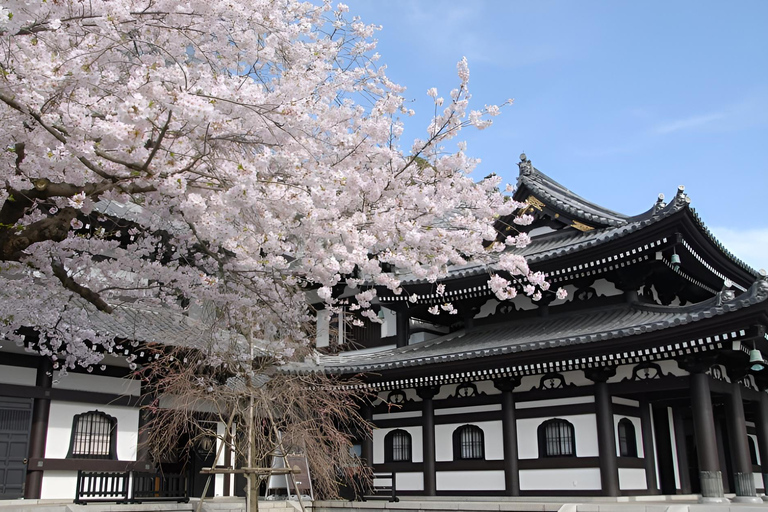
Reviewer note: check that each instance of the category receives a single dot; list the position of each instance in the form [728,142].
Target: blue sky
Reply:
[617,100]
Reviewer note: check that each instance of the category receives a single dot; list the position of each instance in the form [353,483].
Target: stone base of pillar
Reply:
[711,484]
[745,488]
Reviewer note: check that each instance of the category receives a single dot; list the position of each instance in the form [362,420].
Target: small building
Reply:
[647,379]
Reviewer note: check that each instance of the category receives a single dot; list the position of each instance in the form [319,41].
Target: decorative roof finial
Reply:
[681,199]
[526,168]
[727,293]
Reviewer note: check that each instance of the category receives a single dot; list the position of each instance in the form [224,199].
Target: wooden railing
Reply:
[130,487]
[384,487]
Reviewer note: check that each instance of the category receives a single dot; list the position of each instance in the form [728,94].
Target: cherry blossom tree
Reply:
[229,153]
[226,156]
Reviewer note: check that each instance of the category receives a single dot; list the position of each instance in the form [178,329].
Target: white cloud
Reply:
[689,123]
[750,245]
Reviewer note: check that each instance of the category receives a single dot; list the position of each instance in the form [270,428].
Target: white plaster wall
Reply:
[60,428]
[395,415]
[554,402]
[673,443]
[632,479]
[218,483]
[389,327]
[638,433]
[469,409]
[492,434]
[17,375]
[605,288]
[580,479]
[625,401]
[470,480]
[410,481]
[487,387]
[417,450]
[571,290]
[99,383]
[59,485]
[523,302]
[584,426]
[488,309]
[410,394]
[757,445]
[420,337]
[758,480]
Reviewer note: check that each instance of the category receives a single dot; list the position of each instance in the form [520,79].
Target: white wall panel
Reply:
[632,479]
[638,433]
[625,401]
[17,375]
[584,426]
[576,479]
[417,454]
[59,485]
[554,402]
[395,415]
[410,481]
[492,433]
[468,409]
[758,480]
[100,383]
[470,480]
[60,428]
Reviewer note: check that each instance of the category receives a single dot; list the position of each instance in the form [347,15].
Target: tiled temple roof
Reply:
[555,330]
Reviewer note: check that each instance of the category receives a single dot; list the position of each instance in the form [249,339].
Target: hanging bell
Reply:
[756,361]
[675,259]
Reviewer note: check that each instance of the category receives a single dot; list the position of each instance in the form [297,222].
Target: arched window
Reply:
[468,443]
[752,450]
[556,439]
[94,436]
[627,438]
[397,446]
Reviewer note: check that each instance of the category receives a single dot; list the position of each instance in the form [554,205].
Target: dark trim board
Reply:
[469,465]
[73,395]
[631,462]
[400,467]
[88,465]
[560,463]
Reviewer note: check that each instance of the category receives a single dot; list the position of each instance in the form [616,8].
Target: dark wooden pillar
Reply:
[704,432]
[403,324]
[678,426]
[366,447]
[649,456]
[428,437]
[40,412]
[606,436]
[737,434]
[509,434]
[761,428]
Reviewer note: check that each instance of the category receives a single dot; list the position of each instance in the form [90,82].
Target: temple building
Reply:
[647,379]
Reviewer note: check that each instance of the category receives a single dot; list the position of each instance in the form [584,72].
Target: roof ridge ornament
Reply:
[525,165]
[681,198]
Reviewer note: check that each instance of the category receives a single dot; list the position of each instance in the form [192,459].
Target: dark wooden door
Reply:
[15,421]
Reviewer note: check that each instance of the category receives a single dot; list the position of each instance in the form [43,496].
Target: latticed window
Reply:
[627,438]
[397,446]
[556,439]
[94,436]
[468,443]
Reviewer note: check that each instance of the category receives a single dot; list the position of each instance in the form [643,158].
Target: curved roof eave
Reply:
[523,336]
